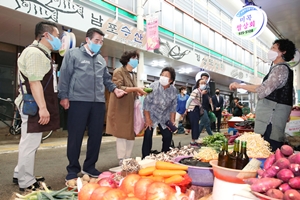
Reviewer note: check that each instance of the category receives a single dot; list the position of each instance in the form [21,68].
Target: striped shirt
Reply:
[33,64]
[197,99]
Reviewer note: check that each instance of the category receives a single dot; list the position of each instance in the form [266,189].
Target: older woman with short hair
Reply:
[160,107]
[120,117]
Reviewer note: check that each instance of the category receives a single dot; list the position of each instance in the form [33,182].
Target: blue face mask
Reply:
[95,48]
[55,43]
[133,62]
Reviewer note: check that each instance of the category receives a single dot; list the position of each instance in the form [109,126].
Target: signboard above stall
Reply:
[249,22]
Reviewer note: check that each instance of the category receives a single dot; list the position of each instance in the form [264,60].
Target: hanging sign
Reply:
[249,22]
[152,33]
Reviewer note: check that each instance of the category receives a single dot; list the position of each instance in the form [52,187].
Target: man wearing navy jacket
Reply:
[218,102]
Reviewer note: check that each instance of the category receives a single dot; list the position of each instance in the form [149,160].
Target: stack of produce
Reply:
[215,140]
[166,172]
[133,187]
[172,154]
[257,147]
[280,177]
[48,194]
[207,154]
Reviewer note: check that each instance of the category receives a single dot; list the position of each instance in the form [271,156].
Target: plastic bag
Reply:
[212,116]
[139,122]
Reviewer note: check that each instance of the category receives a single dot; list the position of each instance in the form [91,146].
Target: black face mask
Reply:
[217,93]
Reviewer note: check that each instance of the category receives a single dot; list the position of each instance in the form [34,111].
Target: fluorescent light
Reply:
[185,70]
[156,63]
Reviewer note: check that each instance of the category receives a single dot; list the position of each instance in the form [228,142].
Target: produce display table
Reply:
[226,117]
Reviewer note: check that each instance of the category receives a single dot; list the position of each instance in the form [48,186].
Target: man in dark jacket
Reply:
[218,102]
[83,78]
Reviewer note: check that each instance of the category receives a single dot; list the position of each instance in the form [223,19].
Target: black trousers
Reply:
[274,144]
[82,115]
[194,117]
[218,116]
[167,136]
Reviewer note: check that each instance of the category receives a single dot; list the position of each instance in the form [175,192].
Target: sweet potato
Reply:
[264,184]
[271,172]
[284,187]
[295,158]
[260,172]
[278,154]
[275,193]
[250,181]
[291,195]
[292,158]
[295,168]
[269,161]
[295,182]
[286,150]
[282,163]
[285,175]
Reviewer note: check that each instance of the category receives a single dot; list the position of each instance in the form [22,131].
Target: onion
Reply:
[108,182]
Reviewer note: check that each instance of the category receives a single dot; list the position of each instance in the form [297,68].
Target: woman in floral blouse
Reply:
[275,94]
[159,107]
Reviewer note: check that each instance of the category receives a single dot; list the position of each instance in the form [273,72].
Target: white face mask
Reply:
[184,92]
[202,87]
[272,55]
[164,80]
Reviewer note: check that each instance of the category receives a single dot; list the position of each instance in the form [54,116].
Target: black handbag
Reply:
[186,122]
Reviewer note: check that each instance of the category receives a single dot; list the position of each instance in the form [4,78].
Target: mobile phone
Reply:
[171,126]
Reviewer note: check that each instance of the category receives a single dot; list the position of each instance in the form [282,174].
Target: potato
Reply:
[92,180]
[285,175]
[86,178]
[286,150]
[282,163]
[264,184]
[275,193]
[295,182]
[84,182]
[71,183]
[291,195]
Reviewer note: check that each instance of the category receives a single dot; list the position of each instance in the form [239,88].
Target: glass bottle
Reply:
[224,155]
[242,159]
[233,156]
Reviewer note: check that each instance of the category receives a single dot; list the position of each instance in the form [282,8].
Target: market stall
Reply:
[240,167]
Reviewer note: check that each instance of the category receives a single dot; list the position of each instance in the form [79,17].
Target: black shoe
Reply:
[34,187]
[37,178]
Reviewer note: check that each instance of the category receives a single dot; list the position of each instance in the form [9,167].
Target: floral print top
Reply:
[160,103]
[277,79]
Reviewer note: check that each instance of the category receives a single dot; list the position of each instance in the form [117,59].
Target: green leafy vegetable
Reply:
[215,140]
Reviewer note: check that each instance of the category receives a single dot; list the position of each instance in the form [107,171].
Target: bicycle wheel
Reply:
[46,135]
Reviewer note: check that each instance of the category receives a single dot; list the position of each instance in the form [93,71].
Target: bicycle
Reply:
[15,125]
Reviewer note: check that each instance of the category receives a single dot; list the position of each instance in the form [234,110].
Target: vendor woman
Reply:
[275,94]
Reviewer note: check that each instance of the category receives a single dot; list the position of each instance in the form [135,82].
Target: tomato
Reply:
[129,182]
[114,194]
[99,192]
[158,191]
[87,190]
[131,198]
[140,188]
